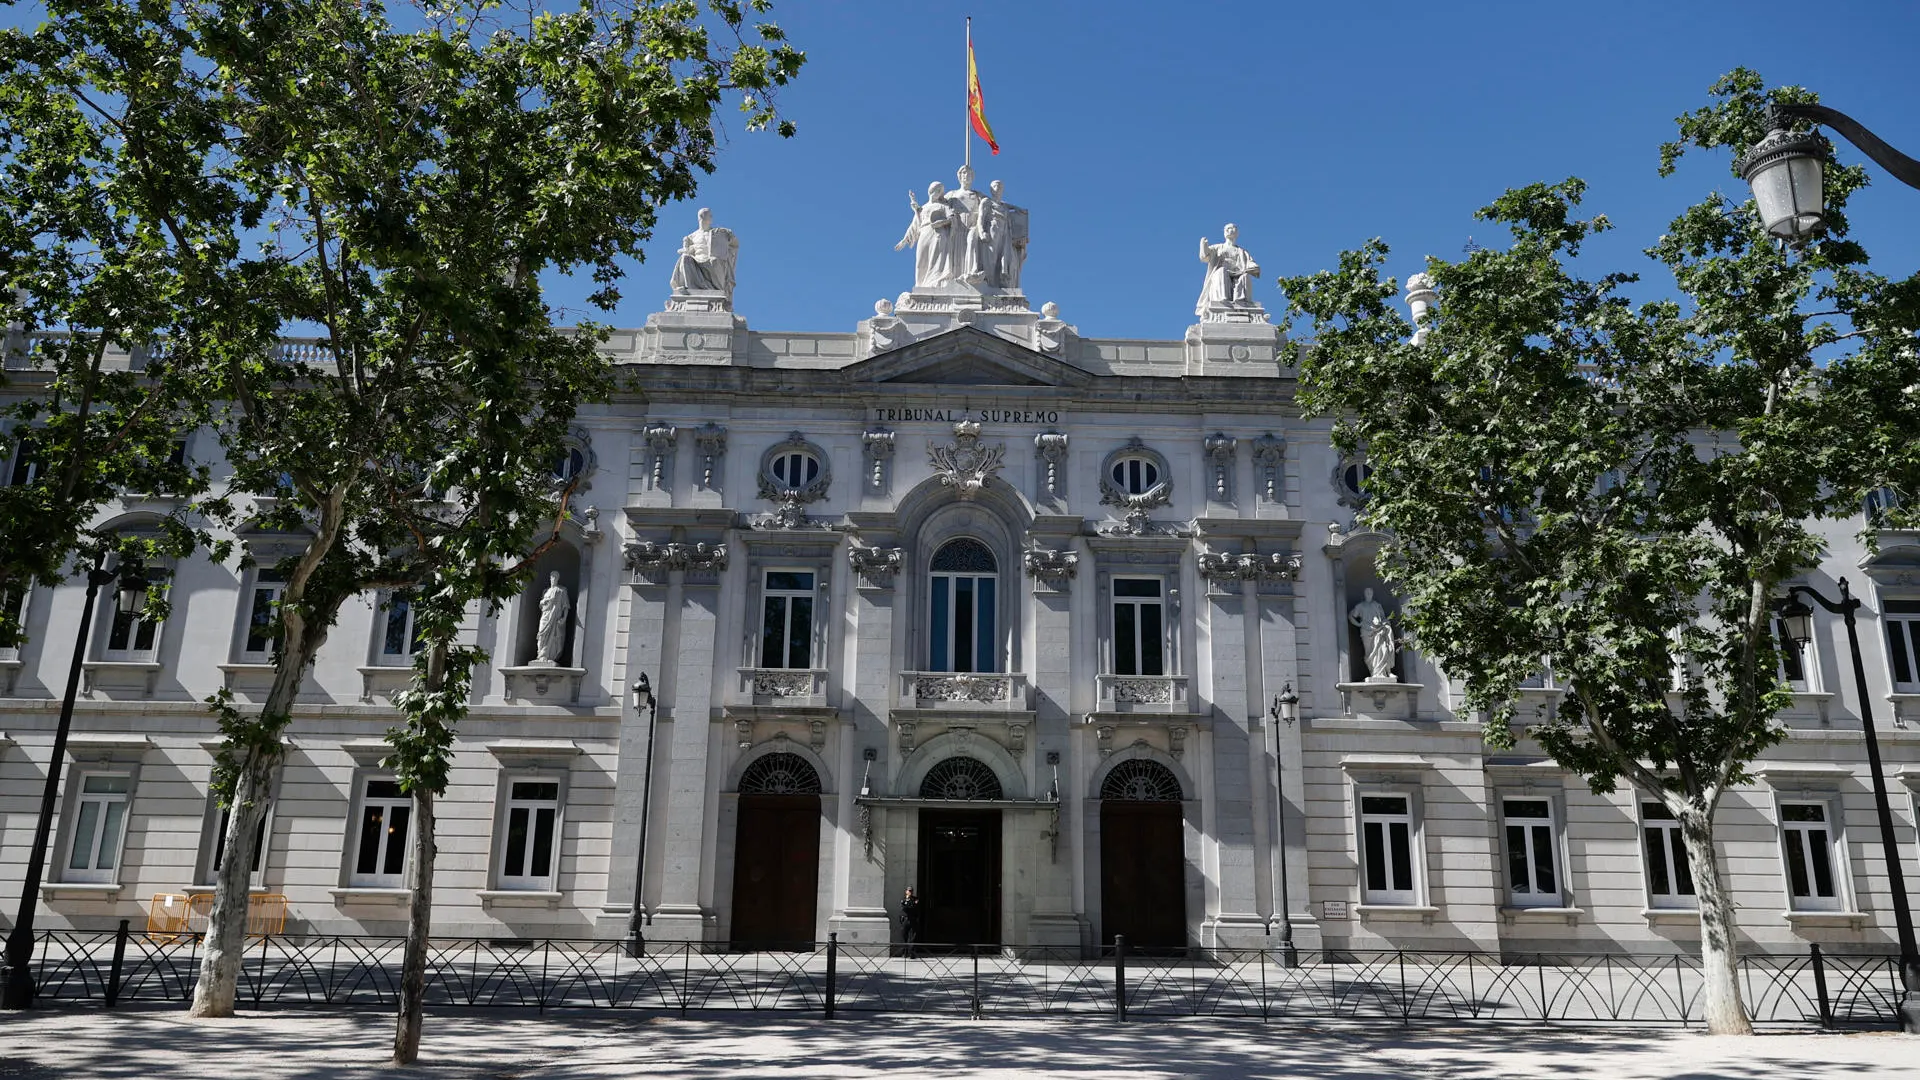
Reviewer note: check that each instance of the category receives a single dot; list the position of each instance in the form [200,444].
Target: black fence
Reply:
[1815,988]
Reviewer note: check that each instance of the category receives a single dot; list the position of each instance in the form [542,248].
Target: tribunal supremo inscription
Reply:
[907,414]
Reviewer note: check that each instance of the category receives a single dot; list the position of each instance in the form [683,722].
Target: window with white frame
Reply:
[963,632]
[25,466]
[1809,847]
[262,628]
[1669,880]
[1386,850]
[530,844]
[13,605]
[99,825]
[1879,501]
[399,638]
[217,844]
[1533,863]
[130,637]
[1902,619]
[379,857]
[1793,658]
[1139,626]
[786,619]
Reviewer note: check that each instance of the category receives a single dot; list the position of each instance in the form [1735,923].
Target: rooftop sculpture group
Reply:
[965,238]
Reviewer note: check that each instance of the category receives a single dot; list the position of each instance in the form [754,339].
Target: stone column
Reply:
[1053,571]
[1280,666]
[1236,922]
[860,897]
[685,911]
[646,629]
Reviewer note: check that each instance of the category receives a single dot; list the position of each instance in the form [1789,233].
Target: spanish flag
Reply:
[976,104]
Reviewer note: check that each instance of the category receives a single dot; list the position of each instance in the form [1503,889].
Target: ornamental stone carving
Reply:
[1050,566]
[1051,448]
[1420,298]
[1135,465]
[1141,690]
[875,565]
[1269,456]
[711,439]
[653,560]
[964,464]
[1223,568]
[1220,447]
[982,688]
[660,440]
[876,445]
[786,684]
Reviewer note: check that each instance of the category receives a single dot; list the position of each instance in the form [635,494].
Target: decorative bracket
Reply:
[1269,456]
[877,445]
[1051,448]
[712,441]
[660,440]
[1220,447]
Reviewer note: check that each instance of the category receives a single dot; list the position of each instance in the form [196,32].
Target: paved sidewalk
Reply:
[474,1045]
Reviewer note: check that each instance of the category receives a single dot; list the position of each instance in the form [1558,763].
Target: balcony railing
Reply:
[783,686]
[1144,694]
[1006,691]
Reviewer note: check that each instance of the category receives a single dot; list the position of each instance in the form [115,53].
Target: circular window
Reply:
[573,462]
[1135,475]
[795,468]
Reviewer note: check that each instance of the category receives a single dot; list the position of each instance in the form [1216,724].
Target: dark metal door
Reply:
[1143,871]
[960,877]
[776,868]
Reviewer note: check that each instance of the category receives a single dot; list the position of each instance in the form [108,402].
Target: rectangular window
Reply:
[530,854]
[13,606]
[1386,850]
[380,852]
[963,623]
[1533,866]
[98,820]
[217,853]
[1808,845]
[26,467]
[1139,627]
[130,637]
[268,587]
[786,634]
[1793,662]
[399,637]
[1669,881]
[1902,618]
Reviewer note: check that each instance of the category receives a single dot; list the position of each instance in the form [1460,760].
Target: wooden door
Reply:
[776,871]
[1143,871]
[960,877]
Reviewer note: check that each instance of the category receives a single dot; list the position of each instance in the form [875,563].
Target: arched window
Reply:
[1135,475]
[963,630]
[960,778]
[1141,780]
[780,774]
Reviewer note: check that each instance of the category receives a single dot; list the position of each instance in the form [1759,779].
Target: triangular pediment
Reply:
[967,356]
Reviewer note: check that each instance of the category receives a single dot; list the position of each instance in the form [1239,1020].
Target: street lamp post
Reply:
[643,699]
[133,593]
[1799,619]
[1285,708]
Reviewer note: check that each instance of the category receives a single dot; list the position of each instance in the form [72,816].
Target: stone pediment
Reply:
[967,356]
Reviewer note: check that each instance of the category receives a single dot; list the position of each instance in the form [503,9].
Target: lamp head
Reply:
[1286,704]
[643,692]
[1798,618]
[132,595]
[1784,171]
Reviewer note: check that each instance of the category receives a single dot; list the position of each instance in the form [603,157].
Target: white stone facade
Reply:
[1080,568]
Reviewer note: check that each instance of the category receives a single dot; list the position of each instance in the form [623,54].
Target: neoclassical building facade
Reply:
[960,600]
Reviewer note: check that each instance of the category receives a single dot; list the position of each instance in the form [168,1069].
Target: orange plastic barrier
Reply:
[171,914]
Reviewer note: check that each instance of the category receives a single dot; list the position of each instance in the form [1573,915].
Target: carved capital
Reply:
[1050,566]
[875,565]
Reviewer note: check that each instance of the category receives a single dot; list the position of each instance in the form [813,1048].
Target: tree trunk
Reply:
[1726,1013]
[413,964]
[226,941]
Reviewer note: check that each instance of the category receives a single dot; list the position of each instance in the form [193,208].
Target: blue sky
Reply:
[1130,129]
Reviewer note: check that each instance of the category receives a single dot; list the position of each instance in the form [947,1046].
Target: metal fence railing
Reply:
[1815,988]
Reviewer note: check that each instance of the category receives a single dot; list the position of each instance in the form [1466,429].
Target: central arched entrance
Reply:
[776,860]
[1143,867]
[959,864]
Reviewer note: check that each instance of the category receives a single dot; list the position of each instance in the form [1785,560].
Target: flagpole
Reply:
[966,100]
